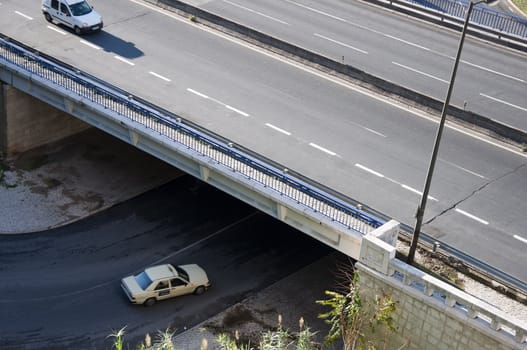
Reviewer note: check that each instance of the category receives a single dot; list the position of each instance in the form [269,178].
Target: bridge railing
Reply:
[174,129]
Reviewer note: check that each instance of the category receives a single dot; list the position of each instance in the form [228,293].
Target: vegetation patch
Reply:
[522,5]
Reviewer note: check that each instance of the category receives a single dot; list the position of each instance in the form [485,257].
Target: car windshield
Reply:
[182,273]
[143,280]
[80,8]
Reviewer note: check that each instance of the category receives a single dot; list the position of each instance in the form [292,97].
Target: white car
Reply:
[76,14]
[163,282]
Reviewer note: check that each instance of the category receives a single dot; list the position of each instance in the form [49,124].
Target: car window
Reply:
[176,282]
[143,280]
[55,4]
[162,285]
[64,9]
[182,273]
[80,8]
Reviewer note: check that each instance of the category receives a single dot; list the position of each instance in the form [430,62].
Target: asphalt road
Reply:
[61,288]
[362,146]
[491,80]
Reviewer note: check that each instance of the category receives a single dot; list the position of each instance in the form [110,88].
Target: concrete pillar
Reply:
[26,122]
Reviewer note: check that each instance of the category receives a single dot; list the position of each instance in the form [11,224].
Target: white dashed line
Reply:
[93,46]
[340,43]
[368,170]
[504,102]
[374,132]
[317,11]
[519,238]
[461,168]
[255,12]
[237,110]
[122,59]
[473,217]
[320,148]
[493,71]
[404,41]
[159,76]
[57,30]
[419,72]
[24,15]
[197,93]
[411,189]
[278,129]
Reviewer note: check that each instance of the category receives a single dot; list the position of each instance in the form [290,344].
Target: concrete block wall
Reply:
[26,122]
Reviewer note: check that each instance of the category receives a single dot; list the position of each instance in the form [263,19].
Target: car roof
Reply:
[161,271]
[70,2]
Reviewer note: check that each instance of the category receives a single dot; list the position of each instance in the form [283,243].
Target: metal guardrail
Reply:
[481,15]
[173,128]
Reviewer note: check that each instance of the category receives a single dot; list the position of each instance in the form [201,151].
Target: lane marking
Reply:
[320,148]
[374,132]
[197,93]
[317,11]
[93,46]
[122,59]
[403,41]
[493,71]
[159,76]
[473,217]
[461,168]
[237,110]
[504,102]
[340,43]
[57,30]
[411,189]
[360,166]
[24,15]
[519,238]
[420,72]
[278,129]
[336,81]
[255,12]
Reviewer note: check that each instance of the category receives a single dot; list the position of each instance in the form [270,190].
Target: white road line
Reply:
[519,238]
[360,166]
[493,71]
[317,11]
[159,76]
[237,110]
[278,129]
[340,43]
[93,46]
[473,217]
[461,168]
[320,148]
[256,12]
[374,132]
[411,189]
[419,72]
[197,93]
[24,15]
[57,30]
[504,102]
[405,41]
[122,59]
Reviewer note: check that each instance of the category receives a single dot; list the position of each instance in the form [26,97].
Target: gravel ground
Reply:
[70,180]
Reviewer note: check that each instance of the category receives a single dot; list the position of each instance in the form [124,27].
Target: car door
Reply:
[64,14]
[179,286]
[162,289]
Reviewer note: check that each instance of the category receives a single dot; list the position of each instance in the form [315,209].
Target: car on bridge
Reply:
[163,282]
[76,14]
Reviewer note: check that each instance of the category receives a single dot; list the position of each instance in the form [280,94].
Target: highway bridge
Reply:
[353,141]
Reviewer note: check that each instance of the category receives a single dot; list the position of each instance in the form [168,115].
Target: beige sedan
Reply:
[163,282]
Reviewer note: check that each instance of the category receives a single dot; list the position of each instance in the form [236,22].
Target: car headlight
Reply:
[84,25]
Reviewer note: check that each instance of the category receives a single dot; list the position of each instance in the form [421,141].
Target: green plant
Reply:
[118,338]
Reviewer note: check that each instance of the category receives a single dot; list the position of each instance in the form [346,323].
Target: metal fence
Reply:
[481,15]
[205,145]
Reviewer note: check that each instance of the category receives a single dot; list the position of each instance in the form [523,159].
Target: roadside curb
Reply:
[358,77]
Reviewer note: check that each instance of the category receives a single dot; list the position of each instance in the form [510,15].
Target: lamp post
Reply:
[421,209]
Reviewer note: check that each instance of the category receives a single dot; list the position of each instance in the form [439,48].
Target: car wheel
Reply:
[77,30]
[200,290]
[48,17]
[149,302]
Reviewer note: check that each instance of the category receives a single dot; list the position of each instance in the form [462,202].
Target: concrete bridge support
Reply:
[27,122]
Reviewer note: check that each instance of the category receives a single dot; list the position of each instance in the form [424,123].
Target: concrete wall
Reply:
[431,314]
[26,122]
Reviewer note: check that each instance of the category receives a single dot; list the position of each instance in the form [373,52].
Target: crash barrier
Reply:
[481,15]
[233,160]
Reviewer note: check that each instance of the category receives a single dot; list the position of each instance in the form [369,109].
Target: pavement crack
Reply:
[485,185]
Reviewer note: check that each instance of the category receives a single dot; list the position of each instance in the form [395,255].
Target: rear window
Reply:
[182,273]
[80,8]
[143,280]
